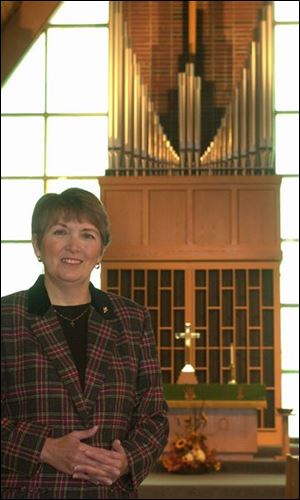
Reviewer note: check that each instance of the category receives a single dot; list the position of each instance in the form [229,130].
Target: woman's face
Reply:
[70,250]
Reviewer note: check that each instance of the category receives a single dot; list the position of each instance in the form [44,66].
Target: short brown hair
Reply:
[73,203]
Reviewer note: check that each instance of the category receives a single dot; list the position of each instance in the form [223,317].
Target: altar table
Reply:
[231,412]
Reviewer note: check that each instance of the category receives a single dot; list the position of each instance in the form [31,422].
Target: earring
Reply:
[97,266]
[39,258]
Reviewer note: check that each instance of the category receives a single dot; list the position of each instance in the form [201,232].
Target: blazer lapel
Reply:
[49,333]
[103,333]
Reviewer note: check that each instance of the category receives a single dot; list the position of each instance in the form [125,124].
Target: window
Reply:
[286,39]
[54,127]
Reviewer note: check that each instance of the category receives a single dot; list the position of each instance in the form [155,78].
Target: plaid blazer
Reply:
[42,395]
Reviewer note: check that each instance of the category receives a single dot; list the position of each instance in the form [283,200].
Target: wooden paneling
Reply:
[167,217]
[126,216]
[194,218]
[292,477]
[212,220]
[7,10]
[257,217]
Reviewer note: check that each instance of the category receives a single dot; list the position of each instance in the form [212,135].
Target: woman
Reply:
[83,413]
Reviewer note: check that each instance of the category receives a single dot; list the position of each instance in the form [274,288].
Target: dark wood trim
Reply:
[20,31]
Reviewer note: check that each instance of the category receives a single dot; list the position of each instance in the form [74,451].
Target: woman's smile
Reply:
[68,260]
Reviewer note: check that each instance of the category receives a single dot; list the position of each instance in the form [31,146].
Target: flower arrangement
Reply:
[189,452]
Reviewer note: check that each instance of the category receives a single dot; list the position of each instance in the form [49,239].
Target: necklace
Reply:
[72,320]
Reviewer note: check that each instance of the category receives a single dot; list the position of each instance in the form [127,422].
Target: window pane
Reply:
[77,146]
[289,273]
[286,69]
[77,70]
[290,338]
[22,140]
[17,202]
[96,277]
[287,144]
[59,185]
[286,11]
[19,267]
[290,399]
[24,91]
[81,13]
[289,208]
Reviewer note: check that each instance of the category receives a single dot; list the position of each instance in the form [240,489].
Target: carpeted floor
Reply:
[264,477]
[214,485]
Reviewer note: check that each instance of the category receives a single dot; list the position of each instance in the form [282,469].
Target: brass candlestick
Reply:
[232,374]
[232,366]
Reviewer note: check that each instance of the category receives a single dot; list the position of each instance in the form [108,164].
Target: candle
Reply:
[231,354]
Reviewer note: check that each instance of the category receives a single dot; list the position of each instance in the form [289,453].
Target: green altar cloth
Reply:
[215,392]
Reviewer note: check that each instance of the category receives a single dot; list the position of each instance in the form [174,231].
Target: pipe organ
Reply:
[138,145]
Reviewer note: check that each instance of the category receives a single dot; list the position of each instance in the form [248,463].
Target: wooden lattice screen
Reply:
[229,304]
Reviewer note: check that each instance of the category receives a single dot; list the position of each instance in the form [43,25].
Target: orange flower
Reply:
[180,443]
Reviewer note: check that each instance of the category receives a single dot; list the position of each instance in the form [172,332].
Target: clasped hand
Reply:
[97,465]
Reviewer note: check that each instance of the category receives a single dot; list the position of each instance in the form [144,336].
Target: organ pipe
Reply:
[138,144]
[243,142]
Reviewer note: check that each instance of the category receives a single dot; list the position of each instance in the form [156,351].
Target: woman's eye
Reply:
[59,232]
[88,236]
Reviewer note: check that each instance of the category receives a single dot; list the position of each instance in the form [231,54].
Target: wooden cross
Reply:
[188,337]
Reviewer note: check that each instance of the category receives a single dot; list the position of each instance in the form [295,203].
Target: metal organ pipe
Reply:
[243,143]
[137,144]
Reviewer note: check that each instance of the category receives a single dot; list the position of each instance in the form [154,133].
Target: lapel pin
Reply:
[105,309]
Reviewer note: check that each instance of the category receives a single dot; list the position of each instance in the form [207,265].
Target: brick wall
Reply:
[159,35]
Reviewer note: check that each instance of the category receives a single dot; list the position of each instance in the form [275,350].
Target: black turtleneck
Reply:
[76,335]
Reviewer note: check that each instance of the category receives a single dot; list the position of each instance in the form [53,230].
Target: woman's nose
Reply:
[73,243]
